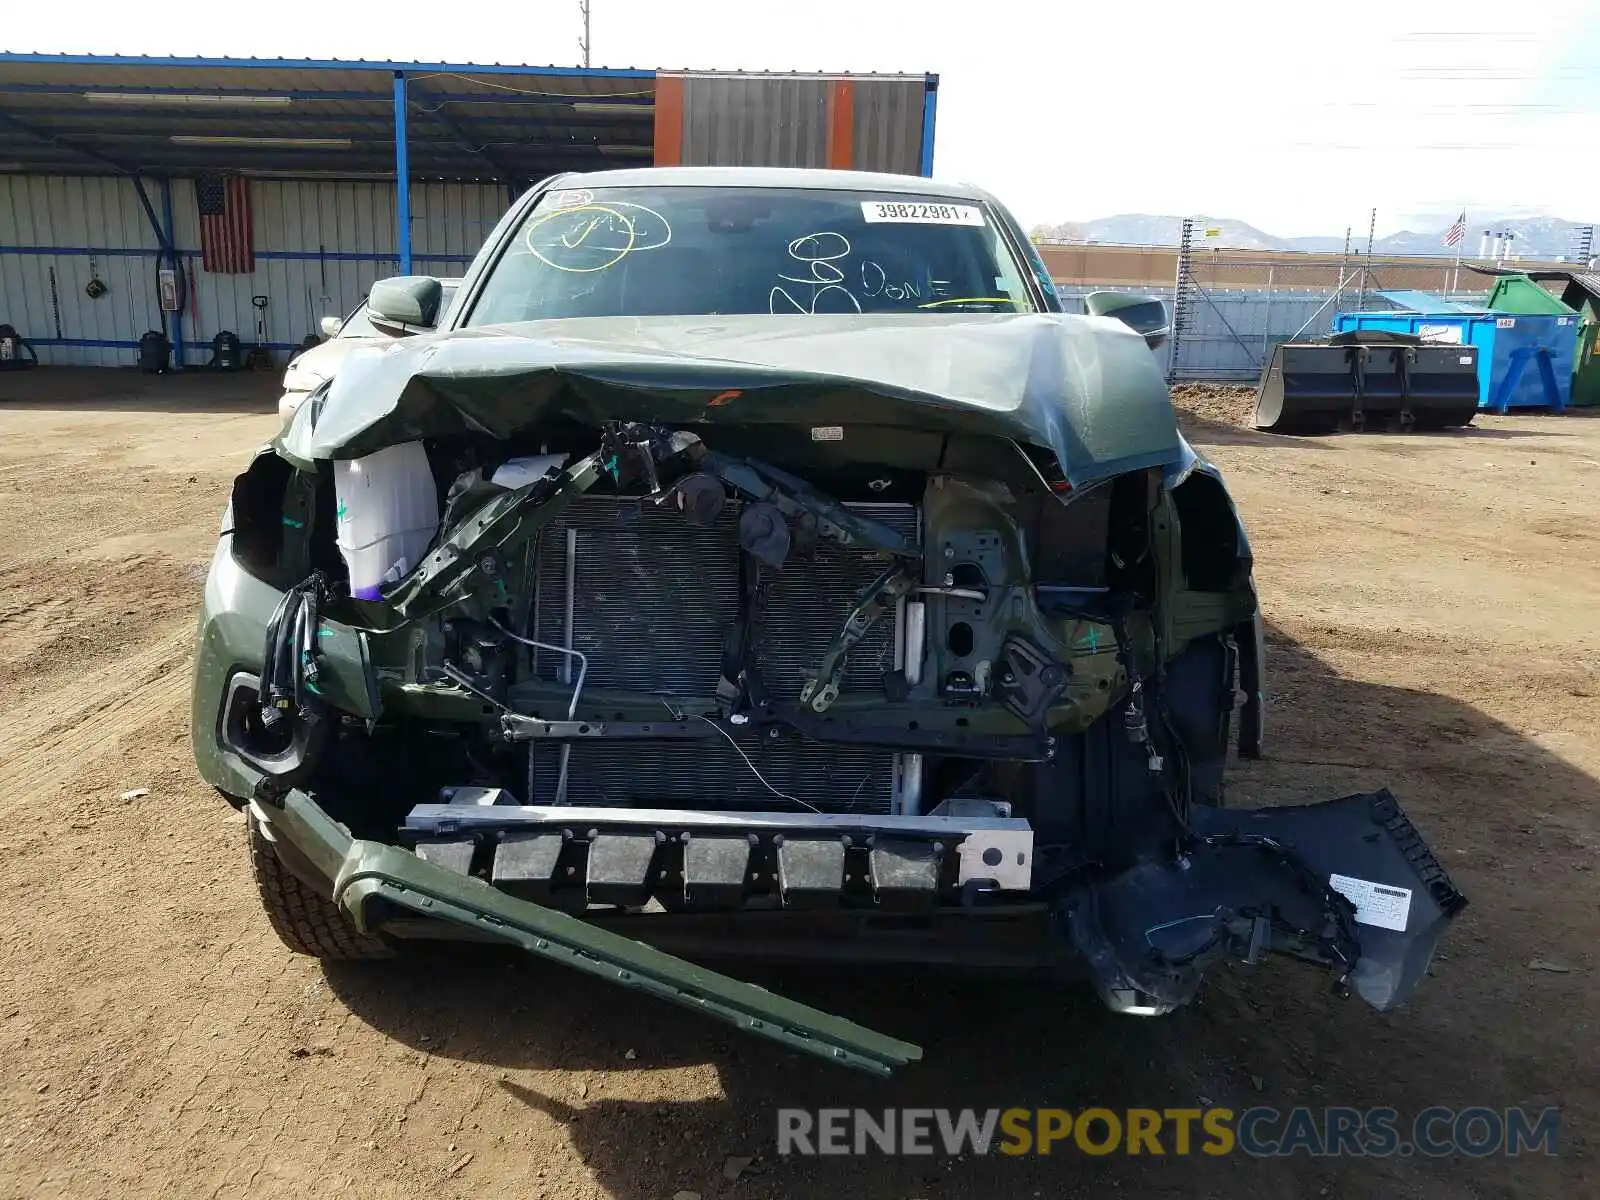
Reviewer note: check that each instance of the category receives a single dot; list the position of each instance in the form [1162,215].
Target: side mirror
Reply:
[406,302]
[1146,315]
[331,326]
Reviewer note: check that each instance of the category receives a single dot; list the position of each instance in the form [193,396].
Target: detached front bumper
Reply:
[1347,884]
[372,880]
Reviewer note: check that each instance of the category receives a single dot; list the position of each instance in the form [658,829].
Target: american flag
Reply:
[225,224]
[1456,232]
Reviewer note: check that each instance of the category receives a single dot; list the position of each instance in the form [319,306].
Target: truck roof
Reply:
[774,177]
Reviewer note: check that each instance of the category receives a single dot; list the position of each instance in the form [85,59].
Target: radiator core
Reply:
[654,599]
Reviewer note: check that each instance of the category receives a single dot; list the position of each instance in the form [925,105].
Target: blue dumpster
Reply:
[1524,360]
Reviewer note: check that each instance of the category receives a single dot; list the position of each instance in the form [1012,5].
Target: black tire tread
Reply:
[306,921]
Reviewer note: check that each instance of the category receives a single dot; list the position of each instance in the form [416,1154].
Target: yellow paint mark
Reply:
[969,300]
[602,211]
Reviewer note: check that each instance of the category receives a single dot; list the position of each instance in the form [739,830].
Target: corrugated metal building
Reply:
[102,161]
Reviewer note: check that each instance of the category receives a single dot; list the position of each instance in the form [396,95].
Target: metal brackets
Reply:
[875,601]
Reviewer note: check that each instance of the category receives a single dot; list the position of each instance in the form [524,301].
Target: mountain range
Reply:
[1536,237]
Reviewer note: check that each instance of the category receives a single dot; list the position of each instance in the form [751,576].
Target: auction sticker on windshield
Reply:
[873,211]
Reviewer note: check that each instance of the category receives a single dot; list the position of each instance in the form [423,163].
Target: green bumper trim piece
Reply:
[373,871]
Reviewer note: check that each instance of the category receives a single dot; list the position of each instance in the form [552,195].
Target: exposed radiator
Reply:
[653,600]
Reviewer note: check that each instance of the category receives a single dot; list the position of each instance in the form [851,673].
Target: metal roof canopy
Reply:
[1425,302]
[318,119]
[300,118]
[160,118]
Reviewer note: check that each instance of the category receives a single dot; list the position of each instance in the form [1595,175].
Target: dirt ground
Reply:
[1434,627]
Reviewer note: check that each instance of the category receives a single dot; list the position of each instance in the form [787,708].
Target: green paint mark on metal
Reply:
[344,511]
[1091,640]
[292,523]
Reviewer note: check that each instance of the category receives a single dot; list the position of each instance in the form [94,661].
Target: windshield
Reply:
[684,251]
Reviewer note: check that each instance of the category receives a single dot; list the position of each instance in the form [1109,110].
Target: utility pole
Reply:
[583,42]
[1372,228]
[1182,288]
[1585,249]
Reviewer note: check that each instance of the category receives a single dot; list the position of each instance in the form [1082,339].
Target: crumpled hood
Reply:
[1085,387]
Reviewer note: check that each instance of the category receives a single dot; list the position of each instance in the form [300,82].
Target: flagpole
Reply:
[1455,281]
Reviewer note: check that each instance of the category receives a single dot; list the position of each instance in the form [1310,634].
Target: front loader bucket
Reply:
[1380,386]
[1308,387]
[1367,379]
[1442,385]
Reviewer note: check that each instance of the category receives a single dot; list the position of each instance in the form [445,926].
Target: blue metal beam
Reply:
[323,64]
[68,89]
[133,108]
[277,255]
[402,173]
[930,107]
[114,344]
[355,139]
[179,115]
[171,255]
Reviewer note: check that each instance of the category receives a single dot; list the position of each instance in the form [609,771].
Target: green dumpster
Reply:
[1520,294]
[1586,366]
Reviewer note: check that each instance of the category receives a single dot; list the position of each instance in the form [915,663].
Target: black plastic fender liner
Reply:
[1295,880]
[371,878]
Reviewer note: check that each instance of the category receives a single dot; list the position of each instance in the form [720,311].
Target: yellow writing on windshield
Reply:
[584,238]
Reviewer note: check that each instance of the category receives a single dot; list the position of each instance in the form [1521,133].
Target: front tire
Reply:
[306,921]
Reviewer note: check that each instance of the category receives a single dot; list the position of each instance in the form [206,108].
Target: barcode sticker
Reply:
[1380,904]
[907,213]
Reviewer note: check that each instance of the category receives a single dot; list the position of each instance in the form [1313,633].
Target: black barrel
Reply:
[155,353]
[226,354]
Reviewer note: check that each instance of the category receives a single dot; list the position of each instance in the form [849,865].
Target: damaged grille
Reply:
[653,599]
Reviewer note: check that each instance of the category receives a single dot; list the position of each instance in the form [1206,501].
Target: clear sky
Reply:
[1295,117]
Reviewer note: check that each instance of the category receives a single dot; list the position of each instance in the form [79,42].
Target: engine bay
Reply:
[613,621]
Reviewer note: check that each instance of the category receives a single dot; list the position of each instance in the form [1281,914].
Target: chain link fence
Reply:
[1234,310]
